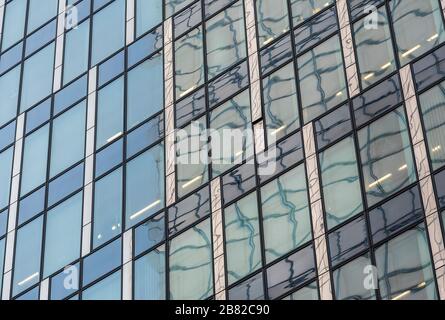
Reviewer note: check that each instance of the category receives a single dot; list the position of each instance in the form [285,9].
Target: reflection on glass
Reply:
[349,279]
[280,103]
[340,182]
[304,9]
[418,27]
[242,237]
[432,105]
[191,150]
[405,269]
[189,63]
[386,156]
[286,217]
[272,19]
[233,115]
[375,53]
[322,78]
[191,264]
[226,43]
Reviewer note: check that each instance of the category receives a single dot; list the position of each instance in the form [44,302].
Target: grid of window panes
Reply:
[371,197]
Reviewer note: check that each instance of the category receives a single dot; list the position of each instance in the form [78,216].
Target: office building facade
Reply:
[222,149]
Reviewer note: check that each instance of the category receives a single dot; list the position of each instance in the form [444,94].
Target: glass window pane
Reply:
[9,90]
[14,23]
[75,60]
[107,208]
[418,27]
[322,78]
[106,289]
[35,157]
[5,176]
[108,31]
[149,276]
[386,156]
[272,19]
[280,103]
[62,234]
[340,182]
[148,15]
[226,43]
[191,264]
[432,106]
[68,139]
[232,117]
[242,237]
[375,53]
[27,256]
[349,279]
[405,269]
[144,185]
[285,208]
[189,62]
[145,90]
[304,9]
[39,12]
[173,6]
[191,157]
[110,113]
[37,80]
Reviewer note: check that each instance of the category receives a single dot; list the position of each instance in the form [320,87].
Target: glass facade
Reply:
[224,149]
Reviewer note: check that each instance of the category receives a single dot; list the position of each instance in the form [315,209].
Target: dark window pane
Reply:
[238,182]
[31,205]
[396,214]
[70,95]
[251,289]
[38,115]
[189,210]
[291,272]
[333,126]
[108,158]
[348,241]
[111,68]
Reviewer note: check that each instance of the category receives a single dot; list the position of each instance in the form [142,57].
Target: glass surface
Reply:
[149,276]
[27,256]
[107,218]
[226,39]
[110,113]
[340,182]
[191,264]
[386,155]
[233,115]
[432,106]
[62,234]
[5,176]
[191,157]
[285,208]
[144,185]
[349,279]
[418,27]
[145,90]
[304,9]
[68,139]
[322,78]
[108,31]
[375,53]
[280,103]
[106,289]
[75,60]
[189,62]
[9,90]
[148,15]
[405,269]
[35,157]
[242,238]
[272,19]
[37,80]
